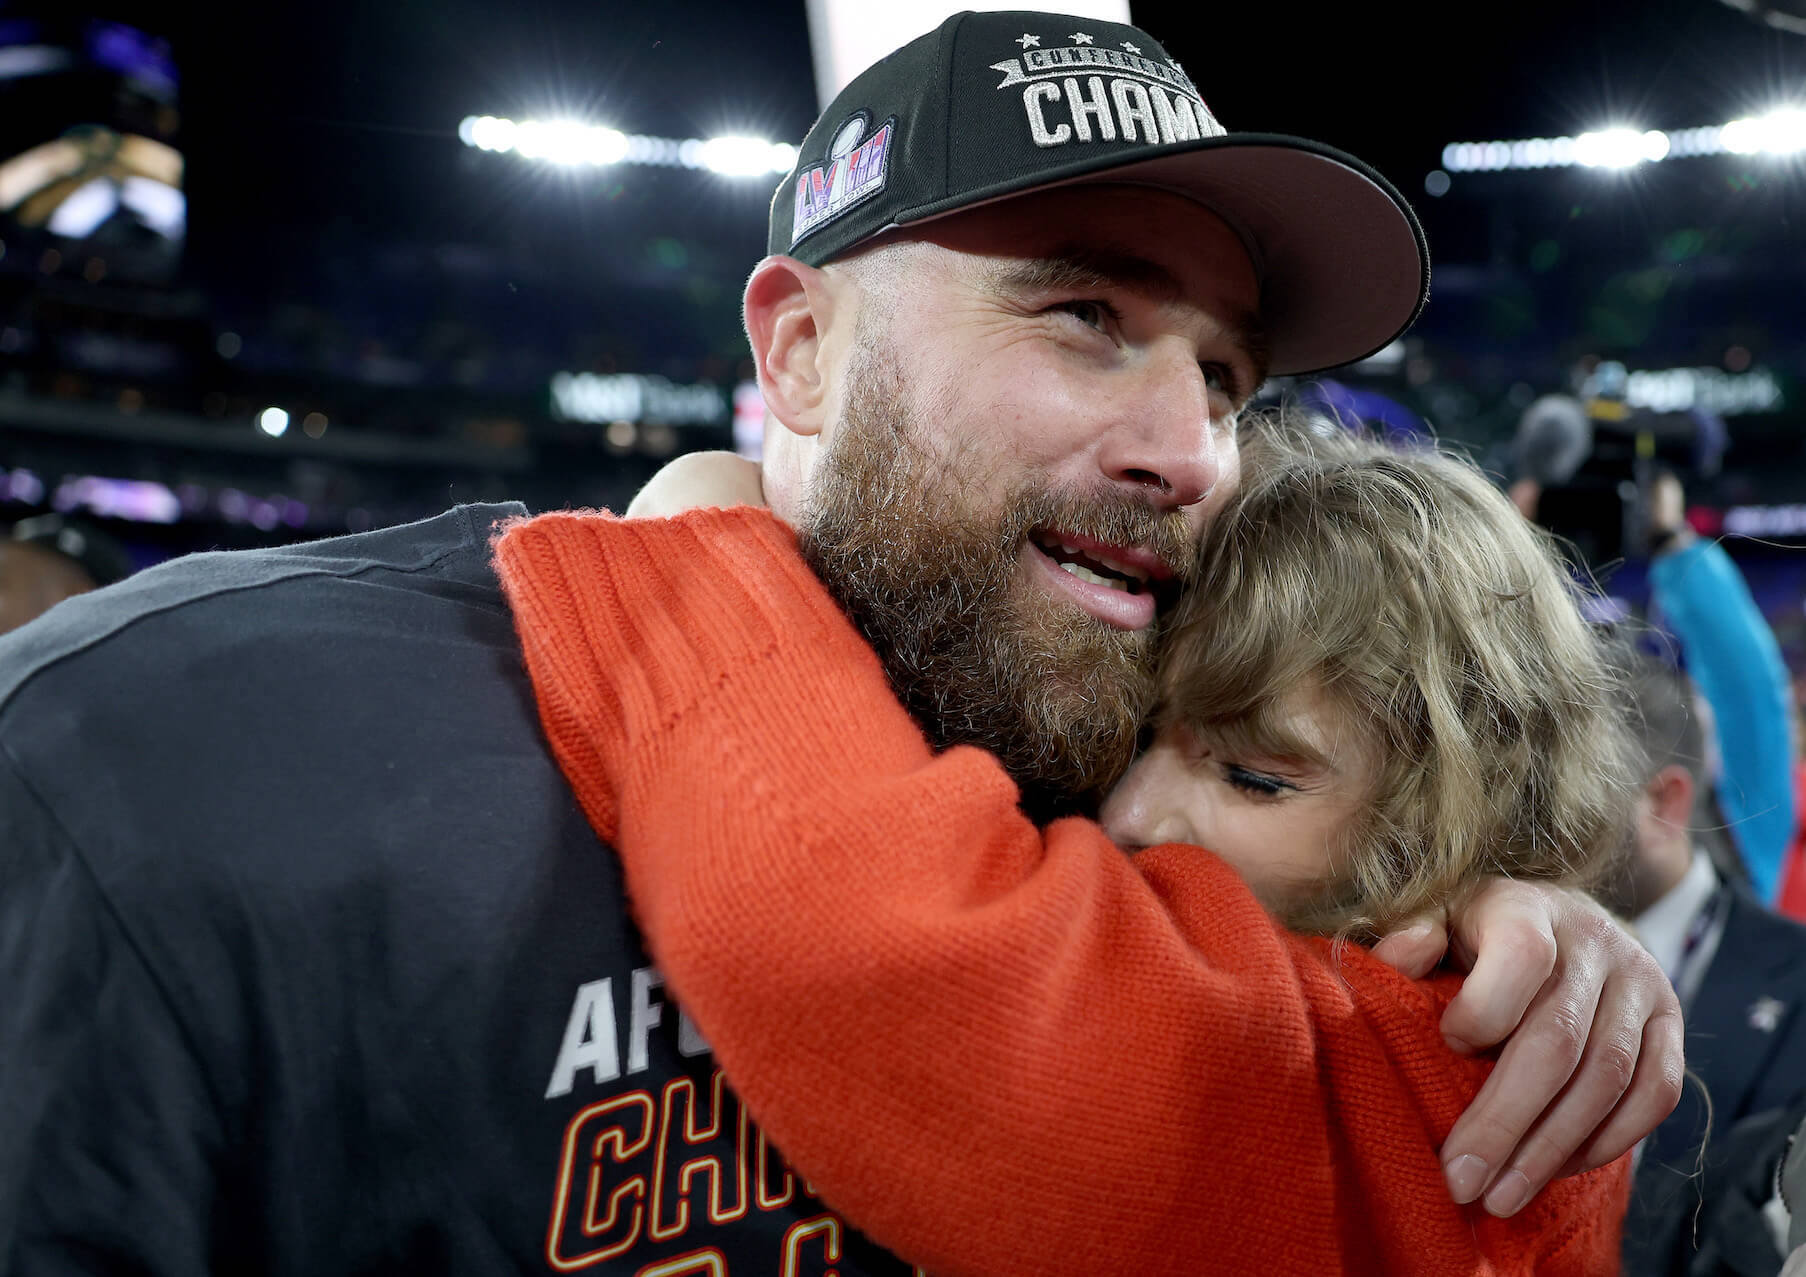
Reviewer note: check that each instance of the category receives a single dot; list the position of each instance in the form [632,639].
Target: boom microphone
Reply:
[1554,438]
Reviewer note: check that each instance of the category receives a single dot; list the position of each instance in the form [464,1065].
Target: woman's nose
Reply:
[1144,810]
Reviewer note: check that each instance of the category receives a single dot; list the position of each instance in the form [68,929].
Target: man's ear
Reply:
[1671,795]
[788,307]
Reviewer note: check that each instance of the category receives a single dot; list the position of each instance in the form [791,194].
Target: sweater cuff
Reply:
[712,592]
[738,649]
[638,620]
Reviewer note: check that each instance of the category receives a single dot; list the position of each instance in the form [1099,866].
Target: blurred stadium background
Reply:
[276,272]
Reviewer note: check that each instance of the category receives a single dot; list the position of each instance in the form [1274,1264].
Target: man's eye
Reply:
[1089,312]
[1221,377]
[1256,783]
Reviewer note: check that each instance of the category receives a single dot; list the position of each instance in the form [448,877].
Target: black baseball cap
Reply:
[994,105]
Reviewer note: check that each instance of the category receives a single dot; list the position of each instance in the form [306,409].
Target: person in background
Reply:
[1790,898]
[1751,1202]
[1790,1195]
[50,558]
[1698,595]
[1740,972]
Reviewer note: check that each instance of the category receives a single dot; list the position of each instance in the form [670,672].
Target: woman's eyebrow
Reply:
[1282,748]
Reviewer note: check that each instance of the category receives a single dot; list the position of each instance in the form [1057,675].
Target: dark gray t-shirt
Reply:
[310,964]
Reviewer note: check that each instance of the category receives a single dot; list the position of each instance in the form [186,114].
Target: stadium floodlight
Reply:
[1620,148]
[1706,140]
[572,143]
[1786,131]
[272,421]
[745,156]
[569,142]
[1781,132]
[1743,137]
[487,133]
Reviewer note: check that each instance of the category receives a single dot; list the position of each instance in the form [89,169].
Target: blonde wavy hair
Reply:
[1445,628]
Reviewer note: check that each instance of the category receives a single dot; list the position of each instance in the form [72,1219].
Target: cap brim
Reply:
[1343,263]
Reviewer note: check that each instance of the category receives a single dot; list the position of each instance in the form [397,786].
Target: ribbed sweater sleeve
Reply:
[998,1049]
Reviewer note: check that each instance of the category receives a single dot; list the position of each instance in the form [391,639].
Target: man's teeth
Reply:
[1125,569]
[1096,578]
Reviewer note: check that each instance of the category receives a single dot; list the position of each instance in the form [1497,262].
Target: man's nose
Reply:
[1165,443]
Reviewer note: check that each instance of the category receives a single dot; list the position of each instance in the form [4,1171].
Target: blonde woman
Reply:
[1387,622]
[1053,1058]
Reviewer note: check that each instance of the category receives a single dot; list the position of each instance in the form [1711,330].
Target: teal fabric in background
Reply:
[1729,649]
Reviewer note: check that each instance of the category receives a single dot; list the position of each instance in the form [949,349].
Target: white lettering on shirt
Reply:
[642,1015]
[589,1039]
[592,1032]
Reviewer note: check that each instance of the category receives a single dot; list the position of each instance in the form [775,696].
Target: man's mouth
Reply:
[1116,584]
[1131,570]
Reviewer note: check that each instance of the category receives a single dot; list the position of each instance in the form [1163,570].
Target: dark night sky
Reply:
[308,114]
[298,111]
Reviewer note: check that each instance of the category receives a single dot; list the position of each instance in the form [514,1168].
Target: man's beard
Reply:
[932,577]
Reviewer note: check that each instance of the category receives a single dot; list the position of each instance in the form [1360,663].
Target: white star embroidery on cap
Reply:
[1765,1014]
[1079,37]
[1131,48]
[1028,40]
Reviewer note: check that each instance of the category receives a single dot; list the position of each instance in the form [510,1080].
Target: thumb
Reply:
[1415,948]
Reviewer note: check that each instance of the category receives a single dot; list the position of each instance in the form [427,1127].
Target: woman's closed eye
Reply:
[1255,784]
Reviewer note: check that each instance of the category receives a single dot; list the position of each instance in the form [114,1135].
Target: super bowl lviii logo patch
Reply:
[856,169]
[1085,92]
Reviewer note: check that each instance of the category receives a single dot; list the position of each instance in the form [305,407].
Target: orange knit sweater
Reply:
[998,1049]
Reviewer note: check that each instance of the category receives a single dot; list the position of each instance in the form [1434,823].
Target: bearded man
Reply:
[312,963]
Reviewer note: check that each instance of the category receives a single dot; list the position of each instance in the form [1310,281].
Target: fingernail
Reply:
[1467,1176]
[1409,938]
[1457,1045]
[1509,1194]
